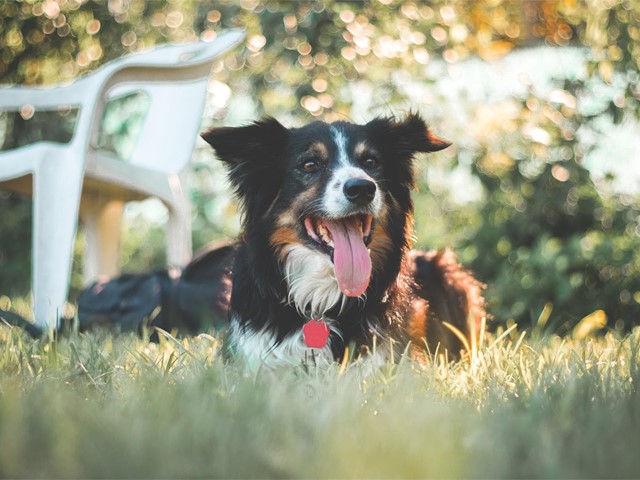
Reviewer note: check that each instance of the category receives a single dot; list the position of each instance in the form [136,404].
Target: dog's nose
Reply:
[359,190]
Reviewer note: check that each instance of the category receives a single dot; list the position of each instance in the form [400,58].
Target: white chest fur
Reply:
[311,280]
[313,290]
[259,348]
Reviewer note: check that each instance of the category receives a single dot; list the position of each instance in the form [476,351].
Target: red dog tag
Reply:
[315,333]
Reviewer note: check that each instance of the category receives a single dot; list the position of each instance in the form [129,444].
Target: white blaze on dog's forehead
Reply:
[340,139]
[347,173]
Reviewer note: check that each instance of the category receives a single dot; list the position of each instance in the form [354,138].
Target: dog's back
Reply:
[448,303]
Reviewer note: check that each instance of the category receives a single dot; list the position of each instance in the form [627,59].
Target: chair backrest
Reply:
[171,123]
[174,79]
[186,54]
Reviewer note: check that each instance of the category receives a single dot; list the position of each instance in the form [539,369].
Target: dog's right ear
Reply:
[407,136]
[253,156]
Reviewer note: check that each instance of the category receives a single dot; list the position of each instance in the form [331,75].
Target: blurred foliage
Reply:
[542,234]
[15,239]
[547,236]
[122,122]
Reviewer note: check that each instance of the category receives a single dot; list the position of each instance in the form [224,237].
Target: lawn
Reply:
[112,405]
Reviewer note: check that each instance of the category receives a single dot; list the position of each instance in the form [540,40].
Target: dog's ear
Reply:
[399,141]
[253,155]
[407,136]
[257,145]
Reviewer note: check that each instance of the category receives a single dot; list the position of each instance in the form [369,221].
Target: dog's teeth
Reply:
[325,235]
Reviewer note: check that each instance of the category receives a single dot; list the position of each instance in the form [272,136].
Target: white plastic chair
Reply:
[175,78]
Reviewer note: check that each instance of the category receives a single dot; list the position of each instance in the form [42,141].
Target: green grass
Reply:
[112,405]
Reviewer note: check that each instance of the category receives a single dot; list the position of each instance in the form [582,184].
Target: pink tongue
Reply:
[351,259]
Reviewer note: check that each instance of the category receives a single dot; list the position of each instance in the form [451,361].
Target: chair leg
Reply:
[102,224]
[179,242]
[56,189]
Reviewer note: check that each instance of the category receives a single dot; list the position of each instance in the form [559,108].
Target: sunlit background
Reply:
[539,195]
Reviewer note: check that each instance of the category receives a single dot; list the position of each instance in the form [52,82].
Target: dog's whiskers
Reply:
[313,209]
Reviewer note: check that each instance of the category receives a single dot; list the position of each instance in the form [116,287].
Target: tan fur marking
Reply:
[410,230]
[282,237]
[286,219]
[361,149]
[416,327]
[286,234]
[291,216]
[380,247]
[436,142]
[319,148]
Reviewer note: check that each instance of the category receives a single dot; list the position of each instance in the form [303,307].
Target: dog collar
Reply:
[315,333]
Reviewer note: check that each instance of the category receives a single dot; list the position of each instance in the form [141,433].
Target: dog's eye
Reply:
[370,162]
[310,165]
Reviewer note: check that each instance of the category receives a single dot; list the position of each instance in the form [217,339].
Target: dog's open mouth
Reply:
[345,240]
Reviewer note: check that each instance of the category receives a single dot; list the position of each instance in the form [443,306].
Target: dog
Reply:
[323,266]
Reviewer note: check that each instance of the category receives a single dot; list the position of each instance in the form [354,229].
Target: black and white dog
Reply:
[324,259]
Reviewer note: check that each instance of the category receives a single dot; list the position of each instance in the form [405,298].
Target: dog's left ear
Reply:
[258,142]
[407,136]
[252,154]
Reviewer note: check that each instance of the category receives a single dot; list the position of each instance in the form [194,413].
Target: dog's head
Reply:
[339,190]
